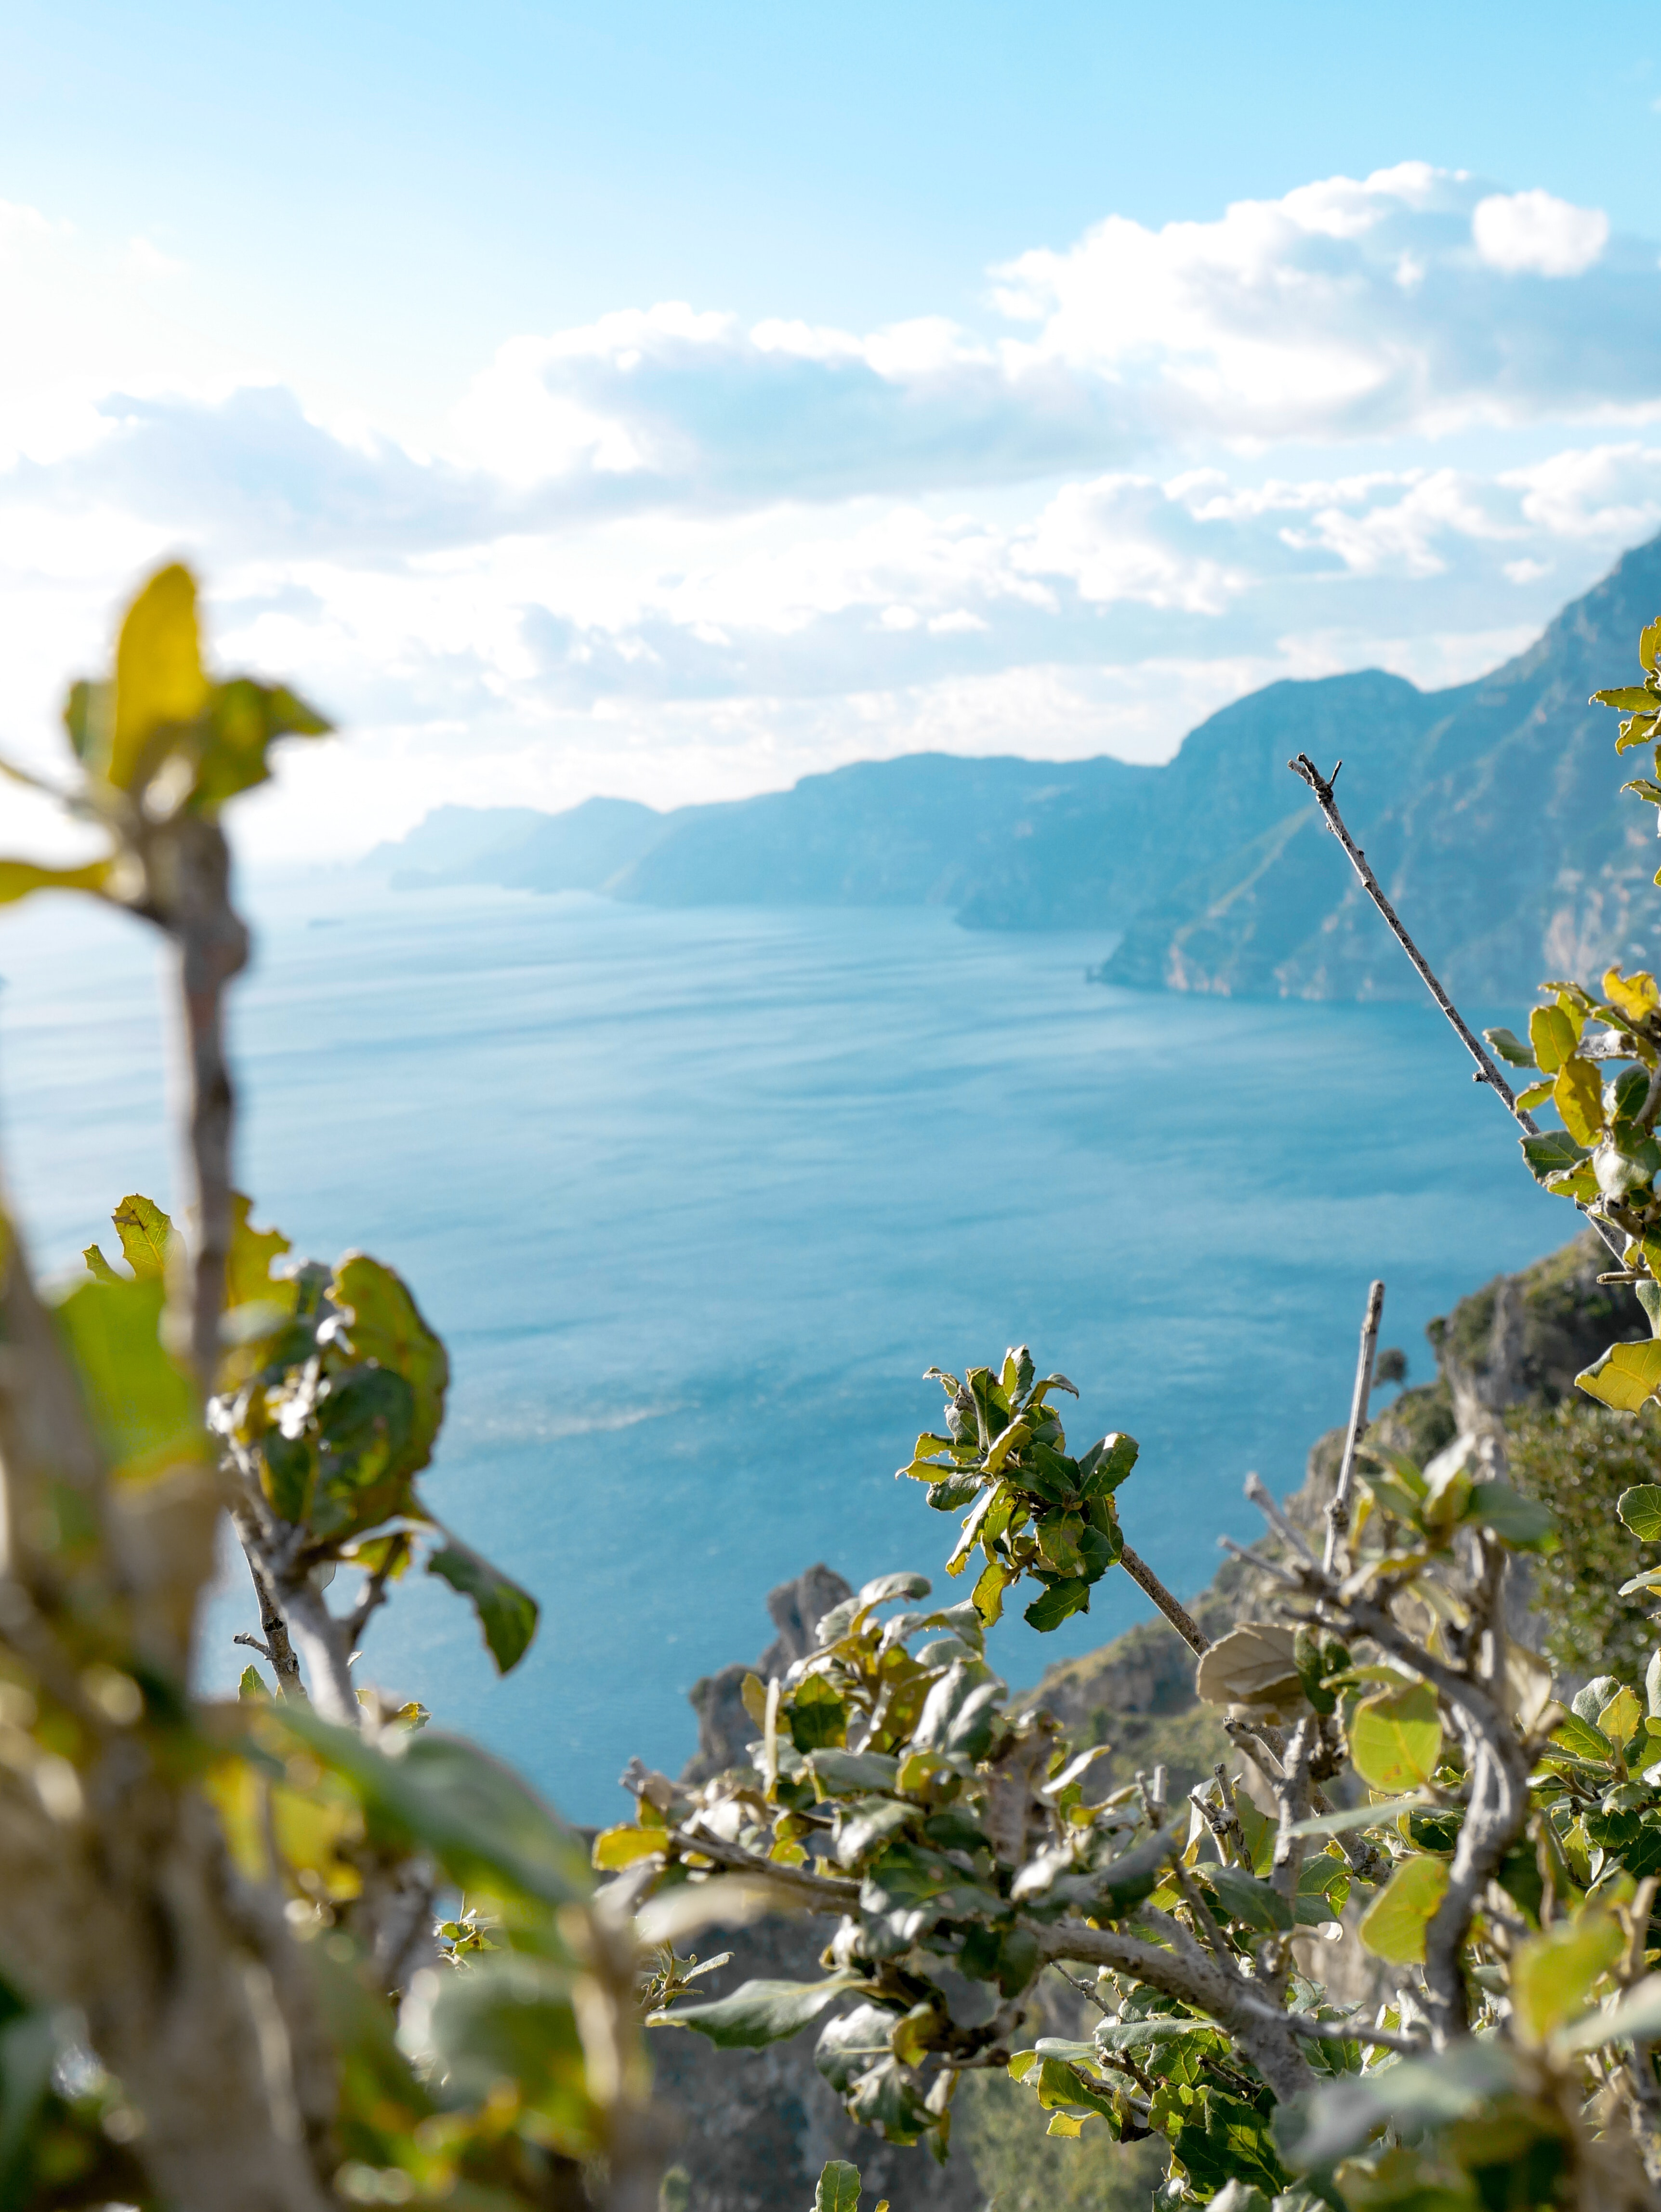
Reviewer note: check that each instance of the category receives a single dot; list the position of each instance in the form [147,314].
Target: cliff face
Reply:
[1491,813]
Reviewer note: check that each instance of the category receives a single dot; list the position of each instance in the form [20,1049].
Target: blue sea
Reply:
[695,1198]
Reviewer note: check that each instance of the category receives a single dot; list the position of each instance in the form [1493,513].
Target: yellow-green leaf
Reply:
[1625,1376]
[97,1266]
[621,1846]
[1641,1509]
[1395,1739]
[145,1233]
[19,877]
[1554,1036]
[1621,1718]
[142,1406]
[159,680]
[1635,995]
[248,1275]
[1553,1973]
[1649,645]
[994,1579]
[1394,1927]
[1578,1095]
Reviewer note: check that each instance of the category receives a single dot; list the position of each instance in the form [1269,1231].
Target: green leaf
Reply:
[487,1828]
[817,1716]
[853,1774]
[1064,1596]
[1522,1523]
[1106,1464]
[886,1588]
[252,1686]
[1582,1740]
[1627,699]
[1244,1898]
[142,1406]
[758,2013]
[1641,1509]
[384,1326]
[1394,1926]
[838,2189]
[510,2017]
[289,1473]
[366,1419]
[1395,1739]
[19,877]
[244,719]
[1552,1974]
[1649,645]
[960,1712]
[1511,1048]
[1626,1376]
[1359,1816]
[98,1266]
[507,1613]
[145,1233]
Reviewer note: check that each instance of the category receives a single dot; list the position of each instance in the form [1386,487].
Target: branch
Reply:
[1339,2031]
[1485,1070]
[277,1647]
[1179,1615]
[818,1893]
[1196,1981]
[1338,1510]
[213,948]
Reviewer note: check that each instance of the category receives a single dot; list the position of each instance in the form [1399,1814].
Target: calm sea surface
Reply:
[695,1199]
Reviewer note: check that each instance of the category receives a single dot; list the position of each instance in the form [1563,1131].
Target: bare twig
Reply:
[1083,1988]
[1270,1567]
[1486,1070]
[1179,1615]
[1263,1499]
[1338,1510]
[278,1647]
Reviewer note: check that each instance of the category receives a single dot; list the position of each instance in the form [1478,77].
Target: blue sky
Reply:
[671,401]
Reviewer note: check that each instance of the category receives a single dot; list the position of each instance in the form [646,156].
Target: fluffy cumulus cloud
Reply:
[1394,420]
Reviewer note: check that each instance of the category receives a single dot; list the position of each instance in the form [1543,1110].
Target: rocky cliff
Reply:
[1491,812]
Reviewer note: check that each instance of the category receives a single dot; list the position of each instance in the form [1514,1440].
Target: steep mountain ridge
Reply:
[1490,811]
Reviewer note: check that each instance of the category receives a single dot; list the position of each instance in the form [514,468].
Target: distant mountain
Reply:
[1490,811]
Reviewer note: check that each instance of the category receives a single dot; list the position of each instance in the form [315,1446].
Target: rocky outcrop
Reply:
[724,1728]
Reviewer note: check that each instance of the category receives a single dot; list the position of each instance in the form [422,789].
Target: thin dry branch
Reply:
[1179,1615]
[1338,1510]
[1485,1070]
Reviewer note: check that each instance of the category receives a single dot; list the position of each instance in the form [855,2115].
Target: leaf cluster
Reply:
[1033,1511]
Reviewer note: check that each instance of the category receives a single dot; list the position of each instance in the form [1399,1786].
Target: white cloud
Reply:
[1534,234]
[674,555]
